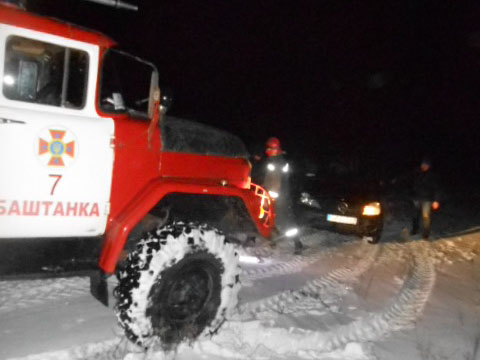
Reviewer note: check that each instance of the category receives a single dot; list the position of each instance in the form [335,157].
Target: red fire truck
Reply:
[90,163]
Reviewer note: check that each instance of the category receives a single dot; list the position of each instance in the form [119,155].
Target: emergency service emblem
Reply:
[57,148]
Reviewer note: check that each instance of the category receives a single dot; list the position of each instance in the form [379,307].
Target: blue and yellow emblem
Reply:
[57,148]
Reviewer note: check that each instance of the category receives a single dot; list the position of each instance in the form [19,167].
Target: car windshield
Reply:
[342,185]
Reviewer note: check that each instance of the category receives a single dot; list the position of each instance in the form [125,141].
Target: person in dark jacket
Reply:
[425,193]
[274,176]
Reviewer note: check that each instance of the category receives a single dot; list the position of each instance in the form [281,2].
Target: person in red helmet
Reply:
[272,147]
[274,177]
[275,171]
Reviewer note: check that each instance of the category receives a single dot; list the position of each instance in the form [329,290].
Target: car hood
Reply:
[348,191]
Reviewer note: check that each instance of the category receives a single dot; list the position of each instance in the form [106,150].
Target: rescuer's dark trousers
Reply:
[422,216]
[285,220]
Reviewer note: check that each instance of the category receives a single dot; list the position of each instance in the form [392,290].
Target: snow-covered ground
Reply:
[341,299]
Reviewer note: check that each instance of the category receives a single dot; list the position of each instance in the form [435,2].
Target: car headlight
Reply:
[372,209]
[306,199]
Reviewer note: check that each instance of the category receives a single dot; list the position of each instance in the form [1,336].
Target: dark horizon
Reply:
[383,81]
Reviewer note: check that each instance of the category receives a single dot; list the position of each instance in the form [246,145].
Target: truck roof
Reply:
[12,15]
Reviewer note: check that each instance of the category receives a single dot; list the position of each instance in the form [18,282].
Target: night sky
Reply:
[382,82]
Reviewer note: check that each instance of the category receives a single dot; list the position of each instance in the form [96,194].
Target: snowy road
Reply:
[342,299]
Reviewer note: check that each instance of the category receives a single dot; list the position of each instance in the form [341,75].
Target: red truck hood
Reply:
[197,151]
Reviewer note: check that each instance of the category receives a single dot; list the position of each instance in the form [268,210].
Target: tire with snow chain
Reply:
[181,282]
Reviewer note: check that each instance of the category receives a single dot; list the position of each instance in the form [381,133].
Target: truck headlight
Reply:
[291,232]
[273,194]
[372,209]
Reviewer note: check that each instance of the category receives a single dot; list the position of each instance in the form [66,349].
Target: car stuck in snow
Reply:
[345,204]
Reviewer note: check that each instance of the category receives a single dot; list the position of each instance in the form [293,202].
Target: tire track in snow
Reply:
[403,311]
[21,294]
[292,301]
[247,339]
[292,266]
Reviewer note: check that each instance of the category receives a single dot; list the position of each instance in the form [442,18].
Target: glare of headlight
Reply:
[271,167]
[248,259]
[306,199]
[273,194]
[291,232]
[372,209]
[285,168]
[8,80]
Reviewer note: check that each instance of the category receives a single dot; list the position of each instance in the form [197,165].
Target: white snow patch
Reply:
[327,322]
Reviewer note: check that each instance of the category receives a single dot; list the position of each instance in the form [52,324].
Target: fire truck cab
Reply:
[86,153]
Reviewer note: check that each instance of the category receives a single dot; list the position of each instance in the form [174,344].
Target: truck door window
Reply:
[44,73]
[125,84]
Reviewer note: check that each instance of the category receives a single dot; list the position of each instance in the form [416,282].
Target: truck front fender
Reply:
[118,230]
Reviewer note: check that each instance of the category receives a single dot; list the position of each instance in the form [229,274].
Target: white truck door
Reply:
[56,156]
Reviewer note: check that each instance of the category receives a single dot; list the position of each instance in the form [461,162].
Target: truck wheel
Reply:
[181,281]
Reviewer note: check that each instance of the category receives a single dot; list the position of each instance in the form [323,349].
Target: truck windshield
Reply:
[125,84]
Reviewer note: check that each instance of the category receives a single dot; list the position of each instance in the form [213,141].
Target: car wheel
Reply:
[181,281]
[372,238]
